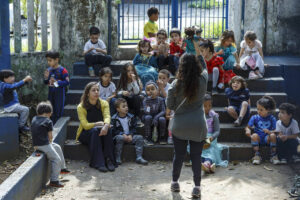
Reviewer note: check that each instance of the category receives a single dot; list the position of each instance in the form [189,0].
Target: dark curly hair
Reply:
[267,102]
[143,43]
[189,32]
[250,35]
[238,79]
[85,98]
[226,35]
[208,44]
[188,76]
[288,108]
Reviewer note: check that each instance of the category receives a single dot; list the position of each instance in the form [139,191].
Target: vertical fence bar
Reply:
[118,28]
[122,19]
[174,13]
[44,25]
[139,21]
[223,17]
[30,27]
[17,26]
[168,17]
[181,15]
[133,22]
[227,3]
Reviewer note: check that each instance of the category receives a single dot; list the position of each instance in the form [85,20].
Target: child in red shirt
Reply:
[175,47]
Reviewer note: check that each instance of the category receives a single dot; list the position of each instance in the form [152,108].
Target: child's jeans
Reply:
[137,140]
[149,121]
[55,155]
[94,59]
[23,112]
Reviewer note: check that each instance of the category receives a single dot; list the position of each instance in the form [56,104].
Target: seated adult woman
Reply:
[94,131]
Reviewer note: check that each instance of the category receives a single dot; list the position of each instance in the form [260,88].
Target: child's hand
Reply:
[129,138]
[221,52]
[283,137]
[160,84]
[266,131]
[46,74]
[91,49]
[133,77]
[126,93]
[104,130]
[27,79]
[211,139]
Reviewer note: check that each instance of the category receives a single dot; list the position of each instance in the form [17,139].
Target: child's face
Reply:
[129,72]
[145,48]
[94,92]
[228,42]
[106,78]
[10,79]
[151,91]
[52,62]
[154,17]
[250,43]
[175,37]
[164,78]
[262,111]
[161,39]
[236,85]
[204,51]
[94,38]
[123,108]
[284,116]
[207,106]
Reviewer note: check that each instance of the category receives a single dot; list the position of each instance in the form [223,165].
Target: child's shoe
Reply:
[170,140]
[296,159]
[148,142]
[283,161]
[91,72]
[274,160]
[212,168]
[141,161]
[65,171]
[256,160]
[252,75]
[175,187]
[205,167]
[259,75]
[196,193]
[102,169]
[110,165]
[56,184]
[238,122]
[214,91]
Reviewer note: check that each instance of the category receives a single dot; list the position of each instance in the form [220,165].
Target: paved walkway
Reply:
[131,181]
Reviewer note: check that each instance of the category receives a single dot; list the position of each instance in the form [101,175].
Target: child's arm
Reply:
[161,89]
[261,53]
[19,84]
[237,60]
[248,131]
[162,110]
[50,136]
[242,52]
[88,51]
[114,94]
[168,114]
[101,50]
[132,126]
[65,79]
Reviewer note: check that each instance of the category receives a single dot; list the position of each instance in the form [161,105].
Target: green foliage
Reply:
[206,4]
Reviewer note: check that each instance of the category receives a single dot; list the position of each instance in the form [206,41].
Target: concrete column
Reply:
[5,35]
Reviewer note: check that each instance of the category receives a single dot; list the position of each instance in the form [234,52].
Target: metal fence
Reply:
[210,15]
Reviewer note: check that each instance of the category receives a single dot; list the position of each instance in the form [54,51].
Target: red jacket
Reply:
[174,48]
[216,61]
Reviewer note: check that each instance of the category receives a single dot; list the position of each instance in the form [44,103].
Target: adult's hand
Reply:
[104,130]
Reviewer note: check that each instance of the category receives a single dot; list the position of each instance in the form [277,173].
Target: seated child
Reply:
[145,63]
[239,100]
[288,130]
[130,87]
[95,51]
[57,79]
[264,124]
[107,88]
[41,130]
[251,55]
[10,97]
[163,82]
[151,28]
[154,115]
[214,65]
[175,49]
[212,156]
[190,40]
[124,131]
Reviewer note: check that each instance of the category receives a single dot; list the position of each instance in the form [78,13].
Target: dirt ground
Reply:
[130,181]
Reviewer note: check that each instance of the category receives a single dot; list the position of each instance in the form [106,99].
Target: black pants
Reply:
[287,149]
[96,59]
[167,63]
[100,147]
[179,154]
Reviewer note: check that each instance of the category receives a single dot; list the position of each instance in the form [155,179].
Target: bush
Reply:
[206,4]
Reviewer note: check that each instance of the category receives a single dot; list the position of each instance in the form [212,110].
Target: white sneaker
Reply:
[259,75]
[283,161]
[274,160]
[256,160]
[296,159]
[252,75]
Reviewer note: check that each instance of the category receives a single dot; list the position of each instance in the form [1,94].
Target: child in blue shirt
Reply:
[10,97]
[57,78]
[264,124]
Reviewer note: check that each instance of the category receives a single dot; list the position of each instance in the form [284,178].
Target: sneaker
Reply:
[118,160]
[253,76]
[256,160]
[214,91]
[162,142]
[205,167]
[238,122]
[56,184]
[196,193]
[24,129]
[175,187]
[102,169]
[65,171]
[110,166]
[170,140]
[283,161]
[213,168]
[141,161]
[148,142]
[296,159]
[259,75]
[274,160]
[294,192]
[91,72]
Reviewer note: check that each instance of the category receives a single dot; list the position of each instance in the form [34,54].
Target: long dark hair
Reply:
[85,97]
[188,76]
[122,85]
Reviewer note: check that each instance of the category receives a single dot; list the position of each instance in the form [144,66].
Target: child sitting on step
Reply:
[163,82]
[288,130]
[238,96]
[124,131]
[251,55]
[264,124]
[129,88]
[41,130]
[212,156]
[154,115]
[107,88]
[95,52]
[190,40]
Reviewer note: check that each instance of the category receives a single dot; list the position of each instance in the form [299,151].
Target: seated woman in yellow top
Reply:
[94,131]
[151,28]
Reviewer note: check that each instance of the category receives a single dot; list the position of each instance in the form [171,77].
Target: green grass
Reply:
[206,4]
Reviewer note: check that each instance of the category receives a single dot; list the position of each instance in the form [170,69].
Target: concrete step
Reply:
[270,71]
[237,151]
[73,97]
[70,111]
[229,133]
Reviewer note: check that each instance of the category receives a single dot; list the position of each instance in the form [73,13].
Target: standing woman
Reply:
[94,131]
[185,97]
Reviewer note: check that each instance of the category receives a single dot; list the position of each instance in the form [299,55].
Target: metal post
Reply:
[227,5]
[243,19]
[174,13]
[5,35]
